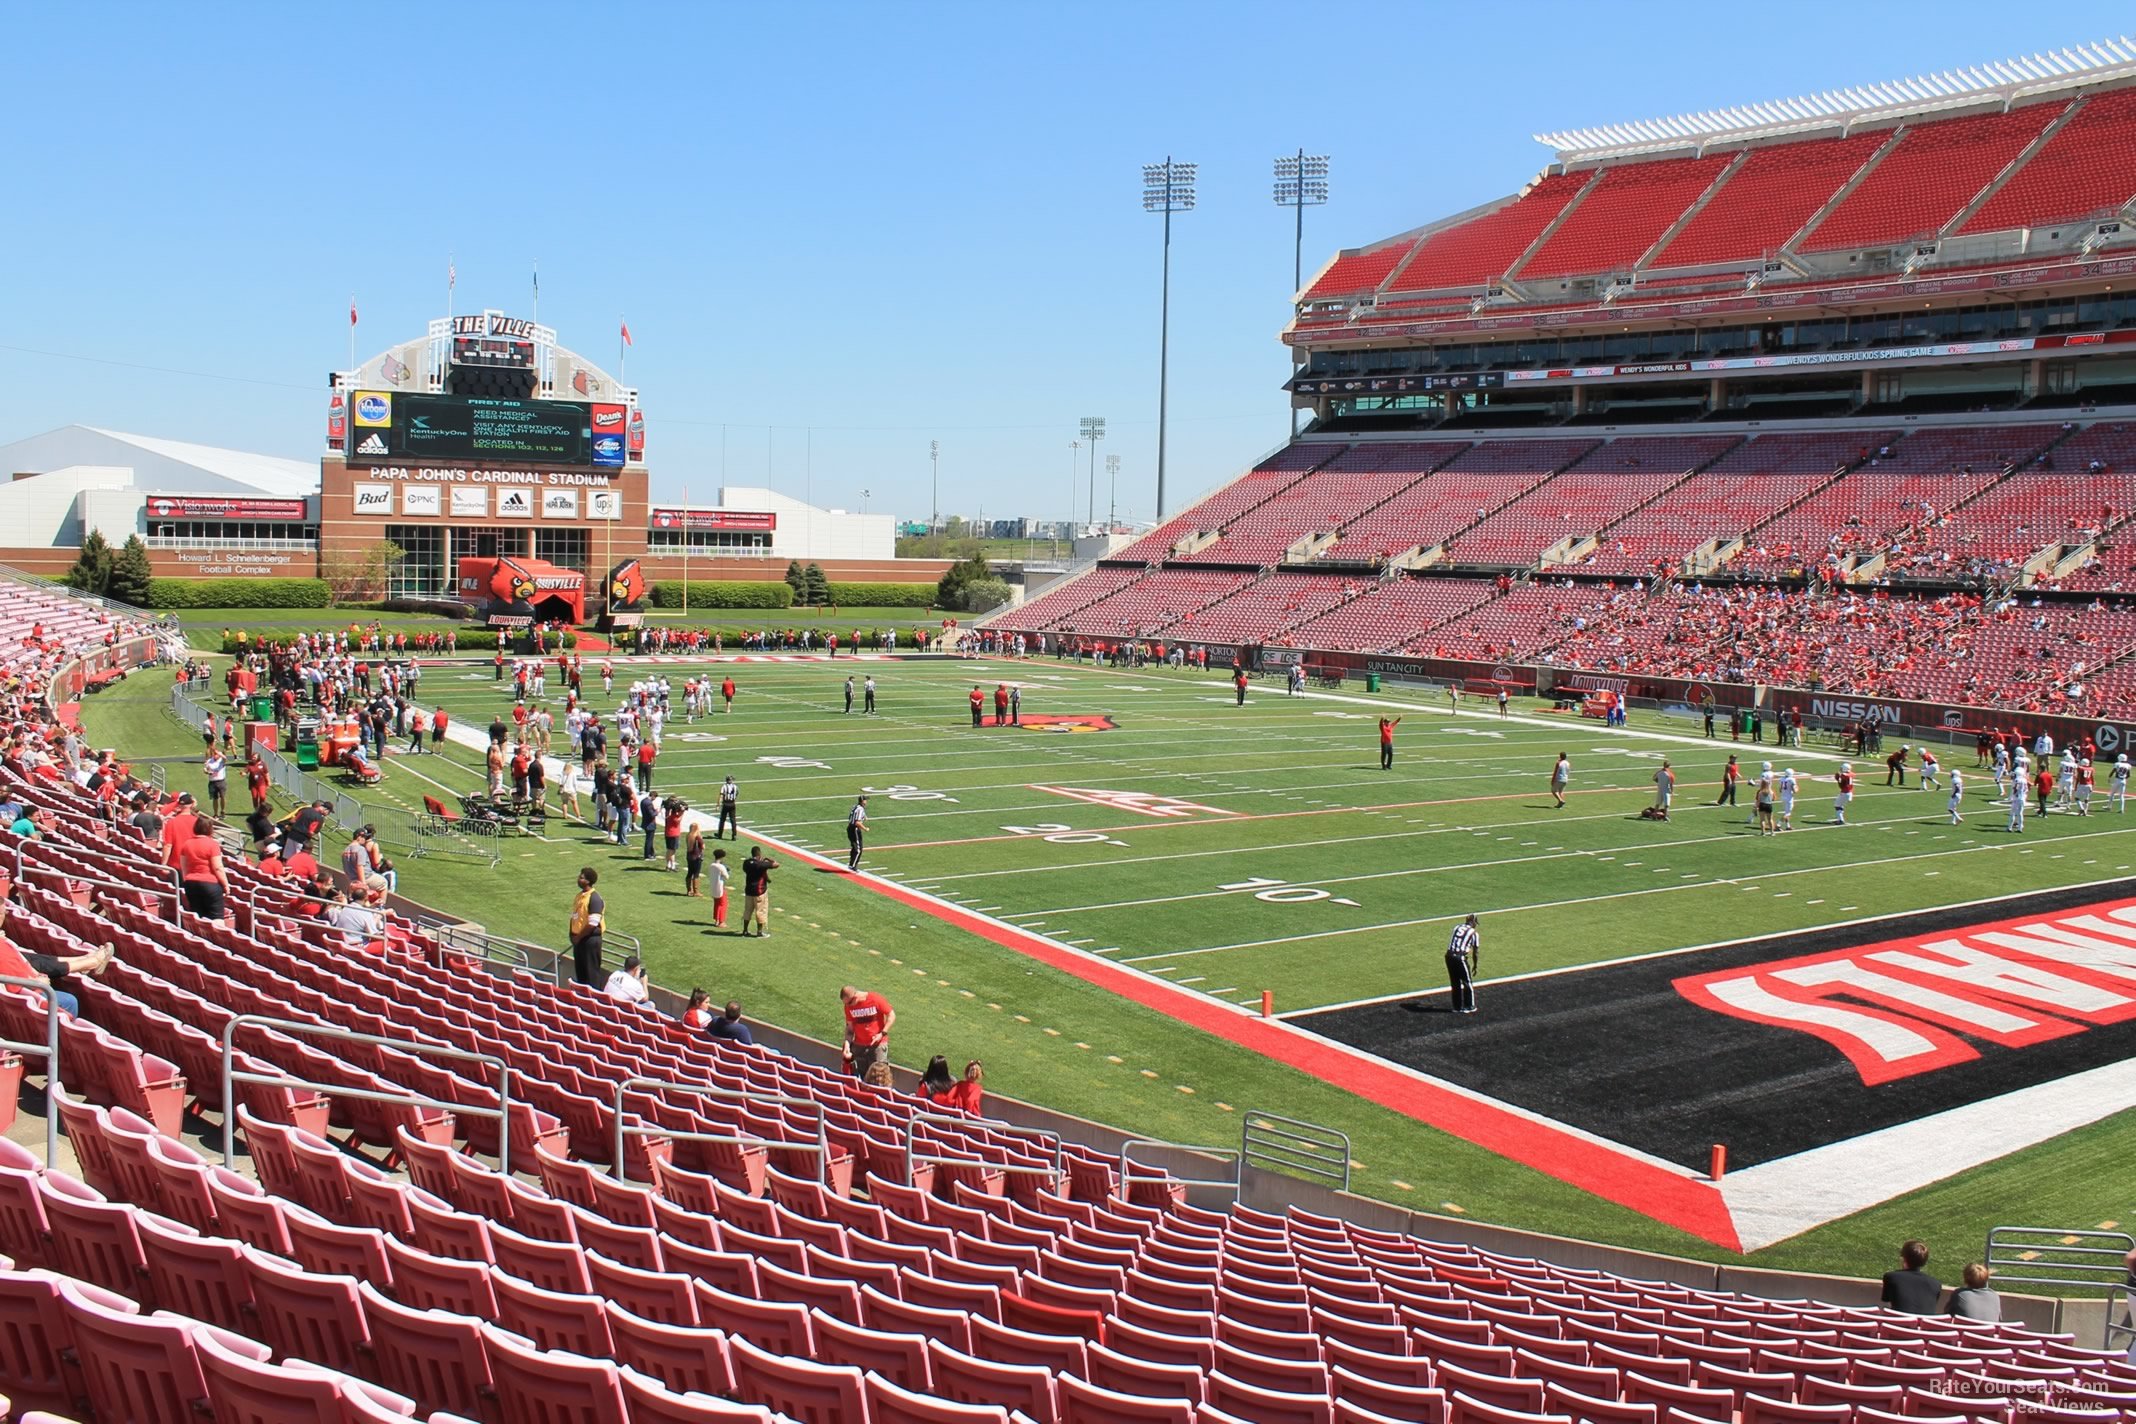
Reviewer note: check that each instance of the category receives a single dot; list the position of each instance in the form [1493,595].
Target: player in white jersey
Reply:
[1957,794]
[2084,787]
[1787,799]
[2065,788]
[2117,783]
[2002,768]
[1929,769]
[2018,796]
[538,685]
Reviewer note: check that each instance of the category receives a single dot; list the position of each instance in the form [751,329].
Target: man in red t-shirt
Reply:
[646,752]
[1001,704]
[726,690]
[869,1019]
[978,701]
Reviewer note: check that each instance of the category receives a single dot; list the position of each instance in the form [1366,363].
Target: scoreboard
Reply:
[397,425]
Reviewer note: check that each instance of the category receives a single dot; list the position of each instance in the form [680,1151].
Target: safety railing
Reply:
[24,867]
[1050,1141]
[48,1050]
[820,1148]
[1274,1143]
[2092,1261]
[1133,1172]
[557,965]
[231,1077]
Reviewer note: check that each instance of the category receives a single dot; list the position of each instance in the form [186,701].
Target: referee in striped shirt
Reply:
[1462,954]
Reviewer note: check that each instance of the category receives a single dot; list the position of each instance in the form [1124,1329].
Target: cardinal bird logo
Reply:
[580,383]
[619,591]
[394,369]
[1086,723]
[523,588]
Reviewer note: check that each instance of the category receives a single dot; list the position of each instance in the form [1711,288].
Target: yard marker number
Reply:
[793,763]
[1282,892]
[902,792]
[1058,834]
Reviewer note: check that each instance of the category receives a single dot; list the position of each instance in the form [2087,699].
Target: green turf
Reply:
[1461,824]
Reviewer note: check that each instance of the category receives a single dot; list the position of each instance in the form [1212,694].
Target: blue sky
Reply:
[837,231]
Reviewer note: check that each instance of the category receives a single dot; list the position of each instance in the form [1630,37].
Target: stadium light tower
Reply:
[934,501]
[1167,188]
[1301,183]
[1075,454]
[1112,498]
[1093,432]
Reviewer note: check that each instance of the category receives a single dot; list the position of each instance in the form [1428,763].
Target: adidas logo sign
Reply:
[372,445]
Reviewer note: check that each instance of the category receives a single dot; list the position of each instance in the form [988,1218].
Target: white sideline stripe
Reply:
[1776,1200]
[1690,949]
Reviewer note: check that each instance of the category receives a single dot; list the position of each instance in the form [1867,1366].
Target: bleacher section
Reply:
[1460,493]
[1159,601]
[2086,169]
[1767,200]
[1605,485]
[1927,178]
[1338,493]
[1623,215]
[1471,253]
[1878,188]
[1242,494]
[1391,613]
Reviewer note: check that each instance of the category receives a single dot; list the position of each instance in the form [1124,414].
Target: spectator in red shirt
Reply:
[869,1019]
[50,969]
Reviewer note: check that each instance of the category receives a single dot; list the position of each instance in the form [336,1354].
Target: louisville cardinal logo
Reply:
[1097,722]
[626,584]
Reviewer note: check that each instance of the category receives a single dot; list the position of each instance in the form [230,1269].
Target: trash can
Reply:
[308,744]
[263,707]
[1371,682]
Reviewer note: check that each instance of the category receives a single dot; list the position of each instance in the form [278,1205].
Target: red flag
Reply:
[626,334]
[352,311]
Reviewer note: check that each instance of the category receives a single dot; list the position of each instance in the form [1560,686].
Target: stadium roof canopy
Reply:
[162,465]
[2003,82]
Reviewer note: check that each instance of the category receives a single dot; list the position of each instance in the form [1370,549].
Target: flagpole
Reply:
[622,347]
[452,279]
[686,555]
[537,289]
[352,338]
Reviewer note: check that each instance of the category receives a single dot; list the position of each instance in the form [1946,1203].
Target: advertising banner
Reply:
[371,499]
[420,499]
[604,504]
[515,504]
[761,521]
[337,421]
[635,439]
[559,504]
[470,503]
[214,507]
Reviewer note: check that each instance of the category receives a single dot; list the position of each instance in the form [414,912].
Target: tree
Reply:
[91,572]
[816,589]
[981,595]
[797,581]
[128,580]
[949,590]
[360,575]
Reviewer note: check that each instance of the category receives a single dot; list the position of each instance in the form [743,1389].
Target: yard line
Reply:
[1113,862]
[1562,904]
[1562,969]
[1596,853]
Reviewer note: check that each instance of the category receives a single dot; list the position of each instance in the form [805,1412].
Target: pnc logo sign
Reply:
[1915,1004]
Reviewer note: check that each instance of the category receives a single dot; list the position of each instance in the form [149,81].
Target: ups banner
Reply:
[2112,737]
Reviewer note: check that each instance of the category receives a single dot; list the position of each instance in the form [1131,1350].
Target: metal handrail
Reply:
[50,1049]
[821,1146]
[1051,1139]
[2027,1244]
[1128,1175]
[231,1077]
[1272,1147]
[177,897]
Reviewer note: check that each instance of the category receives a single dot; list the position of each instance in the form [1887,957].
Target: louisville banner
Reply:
[626,586]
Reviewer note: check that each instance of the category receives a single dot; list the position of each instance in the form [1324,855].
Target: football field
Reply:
[1096,901]
[1146,817]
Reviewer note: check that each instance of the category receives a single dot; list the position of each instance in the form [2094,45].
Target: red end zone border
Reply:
[1653,1189]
